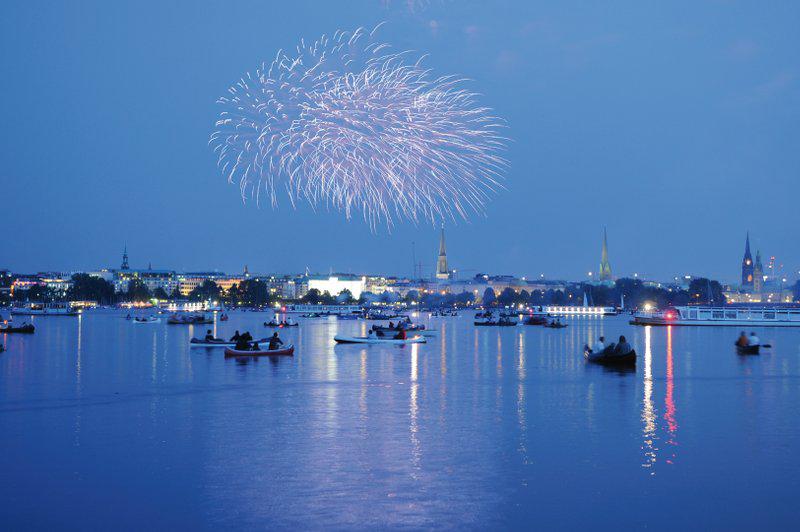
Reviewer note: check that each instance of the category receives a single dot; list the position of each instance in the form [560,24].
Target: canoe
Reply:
[143,322]
[535,320]
[555,325]
[747,349]
[199,342]
[281,325]
[287,350]
[375,340]
[495,323]
[608,359]
[23,329]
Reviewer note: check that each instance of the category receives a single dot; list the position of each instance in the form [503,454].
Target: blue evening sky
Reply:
[674,124]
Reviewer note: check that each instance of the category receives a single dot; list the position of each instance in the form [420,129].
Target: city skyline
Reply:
[418,269]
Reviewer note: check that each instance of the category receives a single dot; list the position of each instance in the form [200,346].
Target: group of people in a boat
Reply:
[288,322]
[620,348]
[244,341]
[751,341]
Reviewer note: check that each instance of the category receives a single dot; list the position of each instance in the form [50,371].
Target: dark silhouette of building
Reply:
[125,260]
[747,265]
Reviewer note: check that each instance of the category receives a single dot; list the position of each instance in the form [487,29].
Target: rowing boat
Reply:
[376,340]
[607,358]
[287,350]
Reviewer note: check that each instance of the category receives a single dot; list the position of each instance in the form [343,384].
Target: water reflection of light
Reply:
[648,410]
[413,411]
[521,357]
[669,400]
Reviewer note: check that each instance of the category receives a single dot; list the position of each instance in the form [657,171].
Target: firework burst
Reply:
[347,124]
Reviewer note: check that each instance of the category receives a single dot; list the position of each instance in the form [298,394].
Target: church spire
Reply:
[442,272]
[605,266]
[125,259]
[747,265]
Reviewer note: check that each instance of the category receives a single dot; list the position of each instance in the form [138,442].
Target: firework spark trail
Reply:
[348,124]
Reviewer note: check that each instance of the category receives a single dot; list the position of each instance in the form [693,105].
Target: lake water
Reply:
[105,424]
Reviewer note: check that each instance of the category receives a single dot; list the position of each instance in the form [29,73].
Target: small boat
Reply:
[191,319]
[287,350]
[747,349]
[201,342]
[608,358]
[28,328]
[492,323]
[223,317]
[142,321]
[376,340]
[555,325]
[535,320]
[281,325]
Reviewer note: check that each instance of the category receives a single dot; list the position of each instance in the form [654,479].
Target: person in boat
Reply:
[289,321]
[256,347]
[274,321]
[275,342]
[753,340]
[401,334]
[623,347]
[242,344]
[247,336]
[742,341]
[236,336]
[600,345]
[391,325]
[209,336]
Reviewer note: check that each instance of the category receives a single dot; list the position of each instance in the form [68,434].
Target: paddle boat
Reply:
[286,350]
[26,328]
[219,342]
[377,340]
[280,325]
[608,358]
[747,349]
[149,319]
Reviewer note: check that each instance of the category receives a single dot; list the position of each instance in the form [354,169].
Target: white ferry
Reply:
[46,309]
[574,310]
[721,316]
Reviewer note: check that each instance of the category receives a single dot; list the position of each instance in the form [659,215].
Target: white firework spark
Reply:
[347,124]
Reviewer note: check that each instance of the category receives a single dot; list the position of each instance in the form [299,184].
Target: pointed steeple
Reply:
[442,272]
[747,265]
[124,265]
[605,266]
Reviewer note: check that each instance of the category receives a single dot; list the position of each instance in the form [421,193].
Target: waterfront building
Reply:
[605,274]
[442,271]
[187,282]
[334,284]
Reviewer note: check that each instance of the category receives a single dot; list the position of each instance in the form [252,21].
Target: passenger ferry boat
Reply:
[721,316]
[46,309]
[574,310]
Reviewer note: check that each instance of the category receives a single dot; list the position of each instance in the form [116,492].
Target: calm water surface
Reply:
[104,423]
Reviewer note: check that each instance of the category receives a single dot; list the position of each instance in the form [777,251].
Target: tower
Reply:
[747,265]
[605,267]
[125,259]
[442,273]
[758,274]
